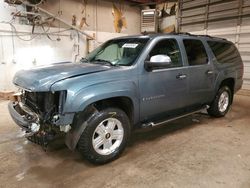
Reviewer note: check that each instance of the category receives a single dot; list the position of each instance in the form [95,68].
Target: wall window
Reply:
[170,48]
[196,52]
[224,52]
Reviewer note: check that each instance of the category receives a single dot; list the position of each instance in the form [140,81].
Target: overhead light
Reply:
[149,13]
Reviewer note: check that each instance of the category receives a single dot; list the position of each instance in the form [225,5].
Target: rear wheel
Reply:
[105,137]
[221,103]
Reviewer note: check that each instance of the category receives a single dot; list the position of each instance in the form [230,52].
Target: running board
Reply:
[153,124]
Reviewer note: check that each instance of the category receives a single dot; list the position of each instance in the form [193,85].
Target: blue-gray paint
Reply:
[152,92]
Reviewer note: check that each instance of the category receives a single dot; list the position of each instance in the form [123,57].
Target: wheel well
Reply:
[123,103]
[230,83]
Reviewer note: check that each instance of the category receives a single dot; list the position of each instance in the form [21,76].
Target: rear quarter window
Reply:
[225,52]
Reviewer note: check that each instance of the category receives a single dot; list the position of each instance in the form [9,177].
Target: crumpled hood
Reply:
[41,78]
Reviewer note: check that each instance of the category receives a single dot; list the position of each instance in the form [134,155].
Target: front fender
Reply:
[95,93]
[88,95]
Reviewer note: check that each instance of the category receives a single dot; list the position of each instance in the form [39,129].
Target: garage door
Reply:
[228,19]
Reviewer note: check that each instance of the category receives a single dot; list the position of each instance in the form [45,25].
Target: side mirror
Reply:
[157,62]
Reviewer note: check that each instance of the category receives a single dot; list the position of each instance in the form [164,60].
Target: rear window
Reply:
[196,52]
[225,52]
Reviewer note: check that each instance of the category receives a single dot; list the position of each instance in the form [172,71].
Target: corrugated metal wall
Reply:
[228,19]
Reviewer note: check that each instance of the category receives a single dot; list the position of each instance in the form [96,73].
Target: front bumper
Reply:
[23,116]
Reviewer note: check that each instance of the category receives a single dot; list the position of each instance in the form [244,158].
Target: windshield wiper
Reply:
[104,62]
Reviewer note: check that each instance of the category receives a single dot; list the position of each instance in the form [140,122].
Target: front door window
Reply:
[170,48]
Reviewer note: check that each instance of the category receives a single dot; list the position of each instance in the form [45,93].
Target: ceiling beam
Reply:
[149,2]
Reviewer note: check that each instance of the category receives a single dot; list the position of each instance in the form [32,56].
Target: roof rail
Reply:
[180,33]
[190,34]
[209,36]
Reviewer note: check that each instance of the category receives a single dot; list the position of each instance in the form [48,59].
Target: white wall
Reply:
[17,54]
[98,14]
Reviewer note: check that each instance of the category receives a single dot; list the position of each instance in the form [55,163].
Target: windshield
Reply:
[117,52]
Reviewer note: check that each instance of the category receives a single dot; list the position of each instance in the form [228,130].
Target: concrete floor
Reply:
[197,151]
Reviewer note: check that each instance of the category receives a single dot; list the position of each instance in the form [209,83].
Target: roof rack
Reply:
[187,33]
[190,34]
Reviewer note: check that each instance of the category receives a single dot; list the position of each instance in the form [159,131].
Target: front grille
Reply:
[40,102]
[34,100]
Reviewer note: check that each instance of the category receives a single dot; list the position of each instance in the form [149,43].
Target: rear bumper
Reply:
[22,115]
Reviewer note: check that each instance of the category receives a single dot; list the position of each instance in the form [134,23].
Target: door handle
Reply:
[209,72]
[181,76]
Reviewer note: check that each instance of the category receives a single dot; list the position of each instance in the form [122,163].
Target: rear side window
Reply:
[196,52]
[225,52]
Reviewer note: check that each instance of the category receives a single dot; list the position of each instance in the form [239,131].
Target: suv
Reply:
[128,82]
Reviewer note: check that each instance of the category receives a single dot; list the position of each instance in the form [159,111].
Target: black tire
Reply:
[214,109]
[85,144]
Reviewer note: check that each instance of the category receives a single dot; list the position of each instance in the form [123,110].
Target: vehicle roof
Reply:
[182,35]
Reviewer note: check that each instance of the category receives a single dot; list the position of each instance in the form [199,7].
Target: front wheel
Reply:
[221,103]
[105,137]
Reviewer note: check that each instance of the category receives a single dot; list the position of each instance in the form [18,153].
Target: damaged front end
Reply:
[40,115]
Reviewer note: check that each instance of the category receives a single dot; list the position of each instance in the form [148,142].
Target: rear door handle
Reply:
[181,76]
[209,72]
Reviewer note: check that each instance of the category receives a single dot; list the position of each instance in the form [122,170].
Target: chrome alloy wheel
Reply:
[223,101]
[108,136]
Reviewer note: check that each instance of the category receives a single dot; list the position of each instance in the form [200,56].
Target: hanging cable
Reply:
[31,4]
[59,23]
[20,35]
